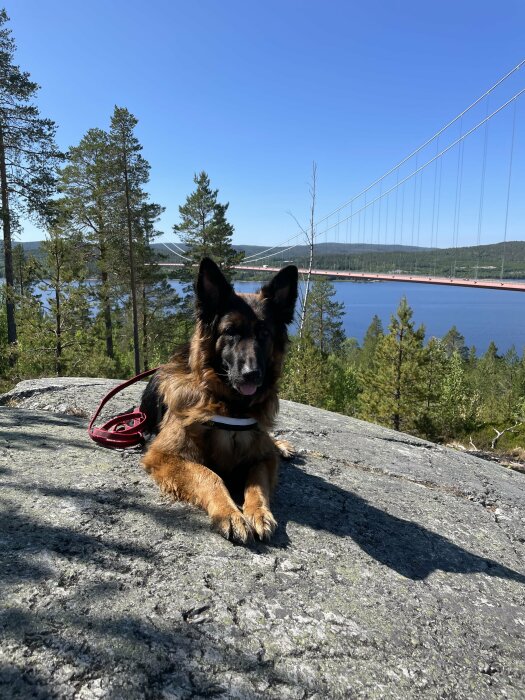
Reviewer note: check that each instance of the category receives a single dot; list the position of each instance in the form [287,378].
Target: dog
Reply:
[213,404]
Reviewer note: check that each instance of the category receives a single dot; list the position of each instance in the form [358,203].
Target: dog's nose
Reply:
[252,376]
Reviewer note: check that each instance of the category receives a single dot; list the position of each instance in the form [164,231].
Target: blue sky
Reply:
[254,92]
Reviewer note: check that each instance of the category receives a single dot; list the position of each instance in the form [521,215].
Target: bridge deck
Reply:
[418,279]
[387,277]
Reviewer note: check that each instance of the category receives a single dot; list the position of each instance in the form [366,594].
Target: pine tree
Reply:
[24,270]
[28,157]
[159,303]
[204,229]
[304,376]
[453,341]
[393,385]
[89,187]
[457,409]
[132,173]
[373,335]
[323,320]
[65,307]
[432,374]
[343,386]
[488,380]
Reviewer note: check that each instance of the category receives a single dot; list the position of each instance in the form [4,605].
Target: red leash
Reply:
[124,430]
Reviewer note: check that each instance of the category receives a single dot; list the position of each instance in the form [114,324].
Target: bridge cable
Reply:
[482,190]
[437,214]
[457,203]
[428,141]
[182,250]
[379,222]
[265,257]
[441,153]
[402,224]
[386,228]
[508,191]
[419,219]
[407,158]
[434,205]
[280,245]
[174,252]
[395,212]
[413,210]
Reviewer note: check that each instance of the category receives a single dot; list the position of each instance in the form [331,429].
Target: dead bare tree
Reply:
[500,433]
[310,238]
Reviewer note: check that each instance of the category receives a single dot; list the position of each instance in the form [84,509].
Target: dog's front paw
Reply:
[286,449]
[233,526]
[262,521]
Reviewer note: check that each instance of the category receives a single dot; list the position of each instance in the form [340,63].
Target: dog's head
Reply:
[246,332]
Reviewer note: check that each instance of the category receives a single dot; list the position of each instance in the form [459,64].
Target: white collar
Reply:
[236,422]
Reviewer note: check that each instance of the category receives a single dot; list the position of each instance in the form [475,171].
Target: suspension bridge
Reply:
[448,213]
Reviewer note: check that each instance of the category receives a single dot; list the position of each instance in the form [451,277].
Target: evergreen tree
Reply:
[28,157]
[323,320]
[373,335]
[64,303]
[511,390]
[204,229]
[433,371]
[458,406]
[304,377]
[132,173]
[343,386]
[24,270]
[159,303]
[488,380]
[89,187]
[453,342]
[392,387]
[350,352]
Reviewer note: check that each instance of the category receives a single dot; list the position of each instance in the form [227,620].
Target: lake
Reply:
[481,315]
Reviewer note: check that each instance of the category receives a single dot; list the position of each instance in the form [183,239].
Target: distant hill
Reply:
[473,261]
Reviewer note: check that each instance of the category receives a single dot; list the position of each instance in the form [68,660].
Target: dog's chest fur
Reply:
[228,449]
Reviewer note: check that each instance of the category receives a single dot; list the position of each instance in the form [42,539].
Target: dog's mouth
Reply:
[247,389]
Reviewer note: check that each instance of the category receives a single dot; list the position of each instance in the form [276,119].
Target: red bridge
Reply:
[387,277]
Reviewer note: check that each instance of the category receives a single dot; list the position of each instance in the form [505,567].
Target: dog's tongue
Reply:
[248,389]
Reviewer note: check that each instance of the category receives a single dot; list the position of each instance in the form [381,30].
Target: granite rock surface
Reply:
[397,570]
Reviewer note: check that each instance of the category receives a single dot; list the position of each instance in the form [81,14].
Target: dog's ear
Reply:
[212,290]
[281,292]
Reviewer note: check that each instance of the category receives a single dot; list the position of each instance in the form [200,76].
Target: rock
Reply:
[397,570]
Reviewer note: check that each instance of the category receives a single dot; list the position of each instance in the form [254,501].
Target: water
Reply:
[481,315]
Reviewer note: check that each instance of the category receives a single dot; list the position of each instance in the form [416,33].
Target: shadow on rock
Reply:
[402,545]
[20,439]
[134,657]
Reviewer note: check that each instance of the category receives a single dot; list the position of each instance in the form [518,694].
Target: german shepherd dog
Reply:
[214,402]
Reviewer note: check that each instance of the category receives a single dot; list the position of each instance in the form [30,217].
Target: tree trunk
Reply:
[399,364]
[108,323]
[8,252]
[145,348]
[58,333]
[136,350]
[58,316]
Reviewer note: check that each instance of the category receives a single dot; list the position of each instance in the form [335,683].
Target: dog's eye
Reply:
[263,332]
[230,330]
